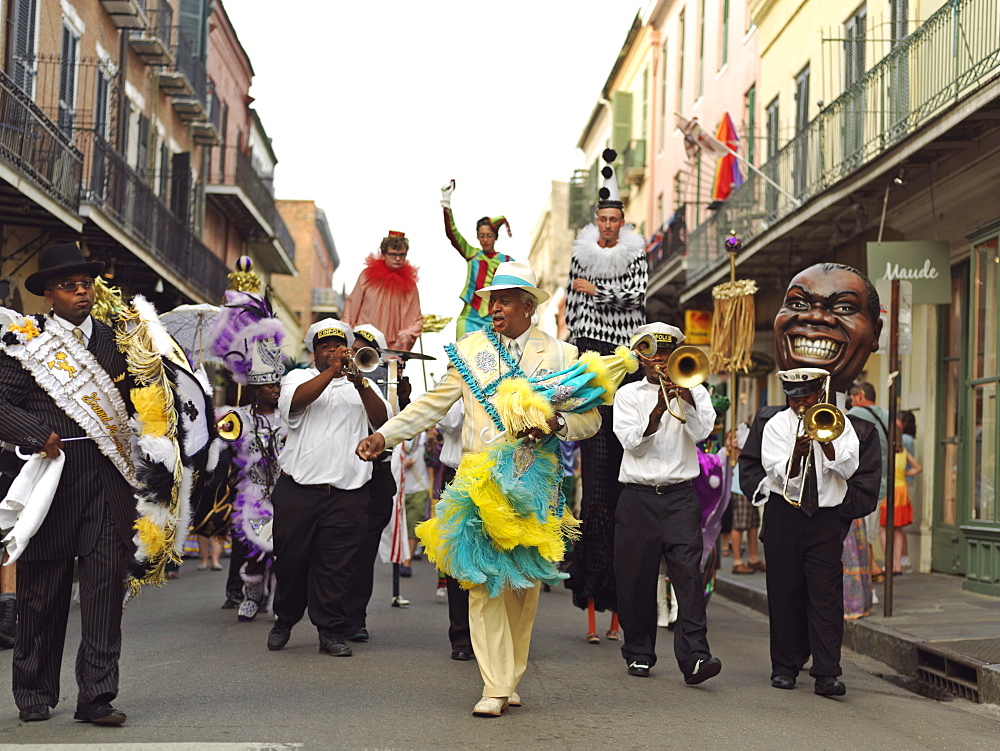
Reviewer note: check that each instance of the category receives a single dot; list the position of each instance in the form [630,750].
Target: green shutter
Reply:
[621,121]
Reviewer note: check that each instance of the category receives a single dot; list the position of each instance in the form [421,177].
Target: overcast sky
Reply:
[372,106]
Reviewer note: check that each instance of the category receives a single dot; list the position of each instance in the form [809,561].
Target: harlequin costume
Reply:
[481,268]
[601,322]
[387,298]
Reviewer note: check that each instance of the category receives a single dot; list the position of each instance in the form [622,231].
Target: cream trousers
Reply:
[501,634]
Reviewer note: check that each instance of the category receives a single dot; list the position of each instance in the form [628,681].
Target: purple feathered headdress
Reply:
[244,320]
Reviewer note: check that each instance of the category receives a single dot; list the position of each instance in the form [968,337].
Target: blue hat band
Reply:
[506,280]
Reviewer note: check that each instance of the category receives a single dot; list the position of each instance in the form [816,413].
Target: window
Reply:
[750,113]
[701,51]
[25,13]
[101,96]
[771,146]
[67,80]
[682,24]
[142,146]
[899,22]
[663,98]
[854,47]
[853,131]
[645,102]
[801,166]
[772,128]
[164,187]
[724,47]
[223,147]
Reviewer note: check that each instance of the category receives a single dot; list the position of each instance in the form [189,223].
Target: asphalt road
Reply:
[195,678]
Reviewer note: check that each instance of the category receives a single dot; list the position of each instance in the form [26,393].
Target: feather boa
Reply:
[252,501]
[607,263]
[395,282]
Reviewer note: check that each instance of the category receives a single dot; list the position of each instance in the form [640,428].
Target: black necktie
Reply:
[810,495]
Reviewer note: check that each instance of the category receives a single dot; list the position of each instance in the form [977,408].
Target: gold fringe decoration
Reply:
[732,326]
[108,302]
[244,279]
[145,364]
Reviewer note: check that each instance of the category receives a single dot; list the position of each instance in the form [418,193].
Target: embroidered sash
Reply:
[79,386]
[483,362]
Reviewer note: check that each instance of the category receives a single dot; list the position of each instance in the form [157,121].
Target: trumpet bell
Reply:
[823,422]
[367,359]
[644,345]
[230,426]
[687,367]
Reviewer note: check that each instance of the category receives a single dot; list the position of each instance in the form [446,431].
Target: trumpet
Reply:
[365,360]
[822,423]
[230,426]
[686,368]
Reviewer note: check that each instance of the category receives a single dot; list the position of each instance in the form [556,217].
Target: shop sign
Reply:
[926,264]
[697,327]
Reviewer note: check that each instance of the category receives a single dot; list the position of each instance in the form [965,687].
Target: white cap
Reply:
[371,334]
[663,333]
[326,328]
[802,381]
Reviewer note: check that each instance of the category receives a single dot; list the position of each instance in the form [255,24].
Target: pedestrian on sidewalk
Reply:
[906,466]
[746,516]
[658,514]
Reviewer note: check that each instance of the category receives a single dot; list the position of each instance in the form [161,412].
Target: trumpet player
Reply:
[658,515]
[321,499]
[805,482]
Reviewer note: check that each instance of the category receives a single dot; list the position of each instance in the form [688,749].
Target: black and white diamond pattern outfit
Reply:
[620,274]
[601,322]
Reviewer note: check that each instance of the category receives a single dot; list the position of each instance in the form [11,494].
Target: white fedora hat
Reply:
[512,275]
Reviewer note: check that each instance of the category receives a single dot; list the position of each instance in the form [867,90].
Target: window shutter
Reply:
[67,81]
[621,121]
[24,45]
[101,104]
[180,185]
[142,152]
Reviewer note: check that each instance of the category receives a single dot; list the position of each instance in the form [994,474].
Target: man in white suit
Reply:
[500,626]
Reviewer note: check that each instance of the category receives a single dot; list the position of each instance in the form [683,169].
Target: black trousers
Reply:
[382,489]
[317,531]
[44,592]
[805,587]
[647,527]
[458,599]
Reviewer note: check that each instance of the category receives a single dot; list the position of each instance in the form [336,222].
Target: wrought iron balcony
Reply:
[327,300]
[186,81]
[125,198]
[33,147]
[155,42]
[942,62]
[240,193]
[126,14]
[634,161]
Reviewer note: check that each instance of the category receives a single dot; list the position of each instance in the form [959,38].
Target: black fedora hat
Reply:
[60,260]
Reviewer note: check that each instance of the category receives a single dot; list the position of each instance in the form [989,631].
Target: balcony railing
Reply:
[154,43]
[634,161]
[34,146]
[954,52]
[283,236]
[125,198]
[325,298]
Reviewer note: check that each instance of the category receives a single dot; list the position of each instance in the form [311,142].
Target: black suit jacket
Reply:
[862,487]
[28,415]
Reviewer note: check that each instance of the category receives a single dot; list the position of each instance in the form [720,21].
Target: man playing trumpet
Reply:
[658,514]
[807,469]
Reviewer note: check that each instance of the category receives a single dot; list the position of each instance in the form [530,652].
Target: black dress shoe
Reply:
[827,685]
[279,635]
[99,713]
[462,655]
[703,670]
[334,645]
[34,713]
[783,681]
[230,604]
[639,669]
[358,634]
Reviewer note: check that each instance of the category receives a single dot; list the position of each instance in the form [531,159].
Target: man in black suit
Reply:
[90,518]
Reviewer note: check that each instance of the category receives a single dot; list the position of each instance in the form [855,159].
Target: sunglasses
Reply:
[71,286]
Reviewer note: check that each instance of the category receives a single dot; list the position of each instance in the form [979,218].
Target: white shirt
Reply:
[777,444]
[669,455]
[451,431]
[87,327]
[522,342]
[416,478]
[322,437]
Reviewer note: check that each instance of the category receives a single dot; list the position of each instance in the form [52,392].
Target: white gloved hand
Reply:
[446,190]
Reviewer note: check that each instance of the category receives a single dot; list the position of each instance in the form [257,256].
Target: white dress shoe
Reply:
[514,700]
[490,706]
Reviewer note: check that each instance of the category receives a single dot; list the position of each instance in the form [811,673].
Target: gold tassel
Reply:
[732,326]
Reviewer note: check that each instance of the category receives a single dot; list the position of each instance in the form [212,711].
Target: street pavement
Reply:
[195,678]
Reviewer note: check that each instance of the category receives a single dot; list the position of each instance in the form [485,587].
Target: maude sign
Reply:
[926,264]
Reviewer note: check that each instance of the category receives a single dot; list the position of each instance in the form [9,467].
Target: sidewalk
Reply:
[938,632]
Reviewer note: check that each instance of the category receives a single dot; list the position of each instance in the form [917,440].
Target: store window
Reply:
[985,381]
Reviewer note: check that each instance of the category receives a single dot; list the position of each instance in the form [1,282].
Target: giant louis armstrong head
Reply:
[829,319]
